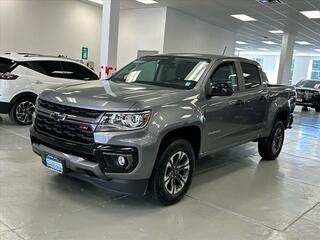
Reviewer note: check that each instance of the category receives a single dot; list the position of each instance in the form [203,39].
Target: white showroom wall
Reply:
[302,65]
[50,27]
[56,27]
[185,33]
[140,29]
[167,30]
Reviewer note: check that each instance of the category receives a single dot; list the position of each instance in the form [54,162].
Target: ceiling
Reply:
[285,17]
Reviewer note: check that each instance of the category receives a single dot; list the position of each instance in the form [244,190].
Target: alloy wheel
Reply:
[177,172]
[24,112]
[277,140]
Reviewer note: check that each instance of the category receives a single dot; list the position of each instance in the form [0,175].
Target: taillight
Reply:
[8,76]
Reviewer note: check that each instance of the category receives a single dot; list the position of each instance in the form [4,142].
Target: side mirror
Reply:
[221,89]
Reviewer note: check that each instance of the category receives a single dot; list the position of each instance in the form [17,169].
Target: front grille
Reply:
[79,112]
[305,94]
[76,132]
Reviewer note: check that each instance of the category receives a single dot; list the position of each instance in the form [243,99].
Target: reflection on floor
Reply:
[234,195]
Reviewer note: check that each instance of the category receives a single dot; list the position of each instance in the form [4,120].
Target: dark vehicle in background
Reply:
[308,94]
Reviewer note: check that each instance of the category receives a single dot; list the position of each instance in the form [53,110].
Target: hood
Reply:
[111,96]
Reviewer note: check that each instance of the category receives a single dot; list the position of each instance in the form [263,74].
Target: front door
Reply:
[223,114]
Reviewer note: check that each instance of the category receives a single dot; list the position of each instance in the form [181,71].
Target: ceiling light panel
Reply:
[276,31]
[147,1]
[270,42]
[241,43]
[263,49]
[244,17]
[303,43]
[97,1]
[311,14]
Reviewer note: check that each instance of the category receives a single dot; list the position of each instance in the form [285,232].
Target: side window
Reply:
[76,71]
[251,75]
[226,72]
[49,68]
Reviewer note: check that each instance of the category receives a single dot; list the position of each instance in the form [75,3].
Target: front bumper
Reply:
[4,107]
[85,161]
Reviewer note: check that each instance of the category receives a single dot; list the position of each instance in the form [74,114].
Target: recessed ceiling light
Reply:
[311,14]
[269,42]
[147,1]
[263,49]
[276,31]
[239,49]
[243,17]
[303,42]
[97,1]
[317,50]
[241,43]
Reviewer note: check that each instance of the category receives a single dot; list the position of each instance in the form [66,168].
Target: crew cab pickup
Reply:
[143,129]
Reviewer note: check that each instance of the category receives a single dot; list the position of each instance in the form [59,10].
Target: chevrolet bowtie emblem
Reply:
[58,117]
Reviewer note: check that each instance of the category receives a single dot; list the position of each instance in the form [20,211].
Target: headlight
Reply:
[123,121]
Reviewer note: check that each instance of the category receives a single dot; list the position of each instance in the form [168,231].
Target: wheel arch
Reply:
[190,133]
[282,115]
[22,95]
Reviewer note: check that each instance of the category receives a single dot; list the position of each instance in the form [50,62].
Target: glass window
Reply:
[6,65]
[226,72]
[315,74]
[49,68]
[309,84]
[251,75]
[167,71]
[76,71]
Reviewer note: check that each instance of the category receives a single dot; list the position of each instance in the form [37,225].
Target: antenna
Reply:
[224,50]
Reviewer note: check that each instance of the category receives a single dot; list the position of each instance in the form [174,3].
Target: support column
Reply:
[109,37]
[286,57]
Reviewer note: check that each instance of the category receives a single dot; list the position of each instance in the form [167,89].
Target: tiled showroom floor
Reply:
[234,196]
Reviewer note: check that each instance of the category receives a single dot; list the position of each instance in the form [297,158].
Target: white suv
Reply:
[23,76]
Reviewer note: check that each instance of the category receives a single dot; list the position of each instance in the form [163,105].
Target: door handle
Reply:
[39,82]
[239,102]
[262,98]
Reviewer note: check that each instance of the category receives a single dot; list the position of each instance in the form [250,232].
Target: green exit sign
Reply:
[84,55]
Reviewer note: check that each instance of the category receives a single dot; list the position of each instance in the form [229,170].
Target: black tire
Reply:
[158,187]
[270,147]
[22,110]
[317,108]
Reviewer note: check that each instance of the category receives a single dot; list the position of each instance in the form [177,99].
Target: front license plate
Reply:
[54,164]
[299,100]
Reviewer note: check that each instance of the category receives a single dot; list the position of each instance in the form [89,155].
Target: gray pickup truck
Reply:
[143,129]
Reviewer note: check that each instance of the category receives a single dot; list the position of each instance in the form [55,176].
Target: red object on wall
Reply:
[108,69]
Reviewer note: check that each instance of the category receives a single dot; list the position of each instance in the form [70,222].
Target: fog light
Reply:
[122,161]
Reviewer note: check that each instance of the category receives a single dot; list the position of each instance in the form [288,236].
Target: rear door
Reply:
[45,73]
[255,99]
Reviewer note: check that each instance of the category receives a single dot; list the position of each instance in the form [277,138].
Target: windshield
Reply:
[309,84]
[175,72]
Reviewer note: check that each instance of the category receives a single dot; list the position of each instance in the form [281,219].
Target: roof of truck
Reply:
[204,56]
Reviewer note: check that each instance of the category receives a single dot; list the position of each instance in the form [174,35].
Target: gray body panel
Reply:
[222,122]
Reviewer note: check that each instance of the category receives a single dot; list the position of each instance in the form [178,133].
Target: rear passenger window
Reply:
[76,71]
[6,65]
[251,75]
[49,68]
[226,72]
